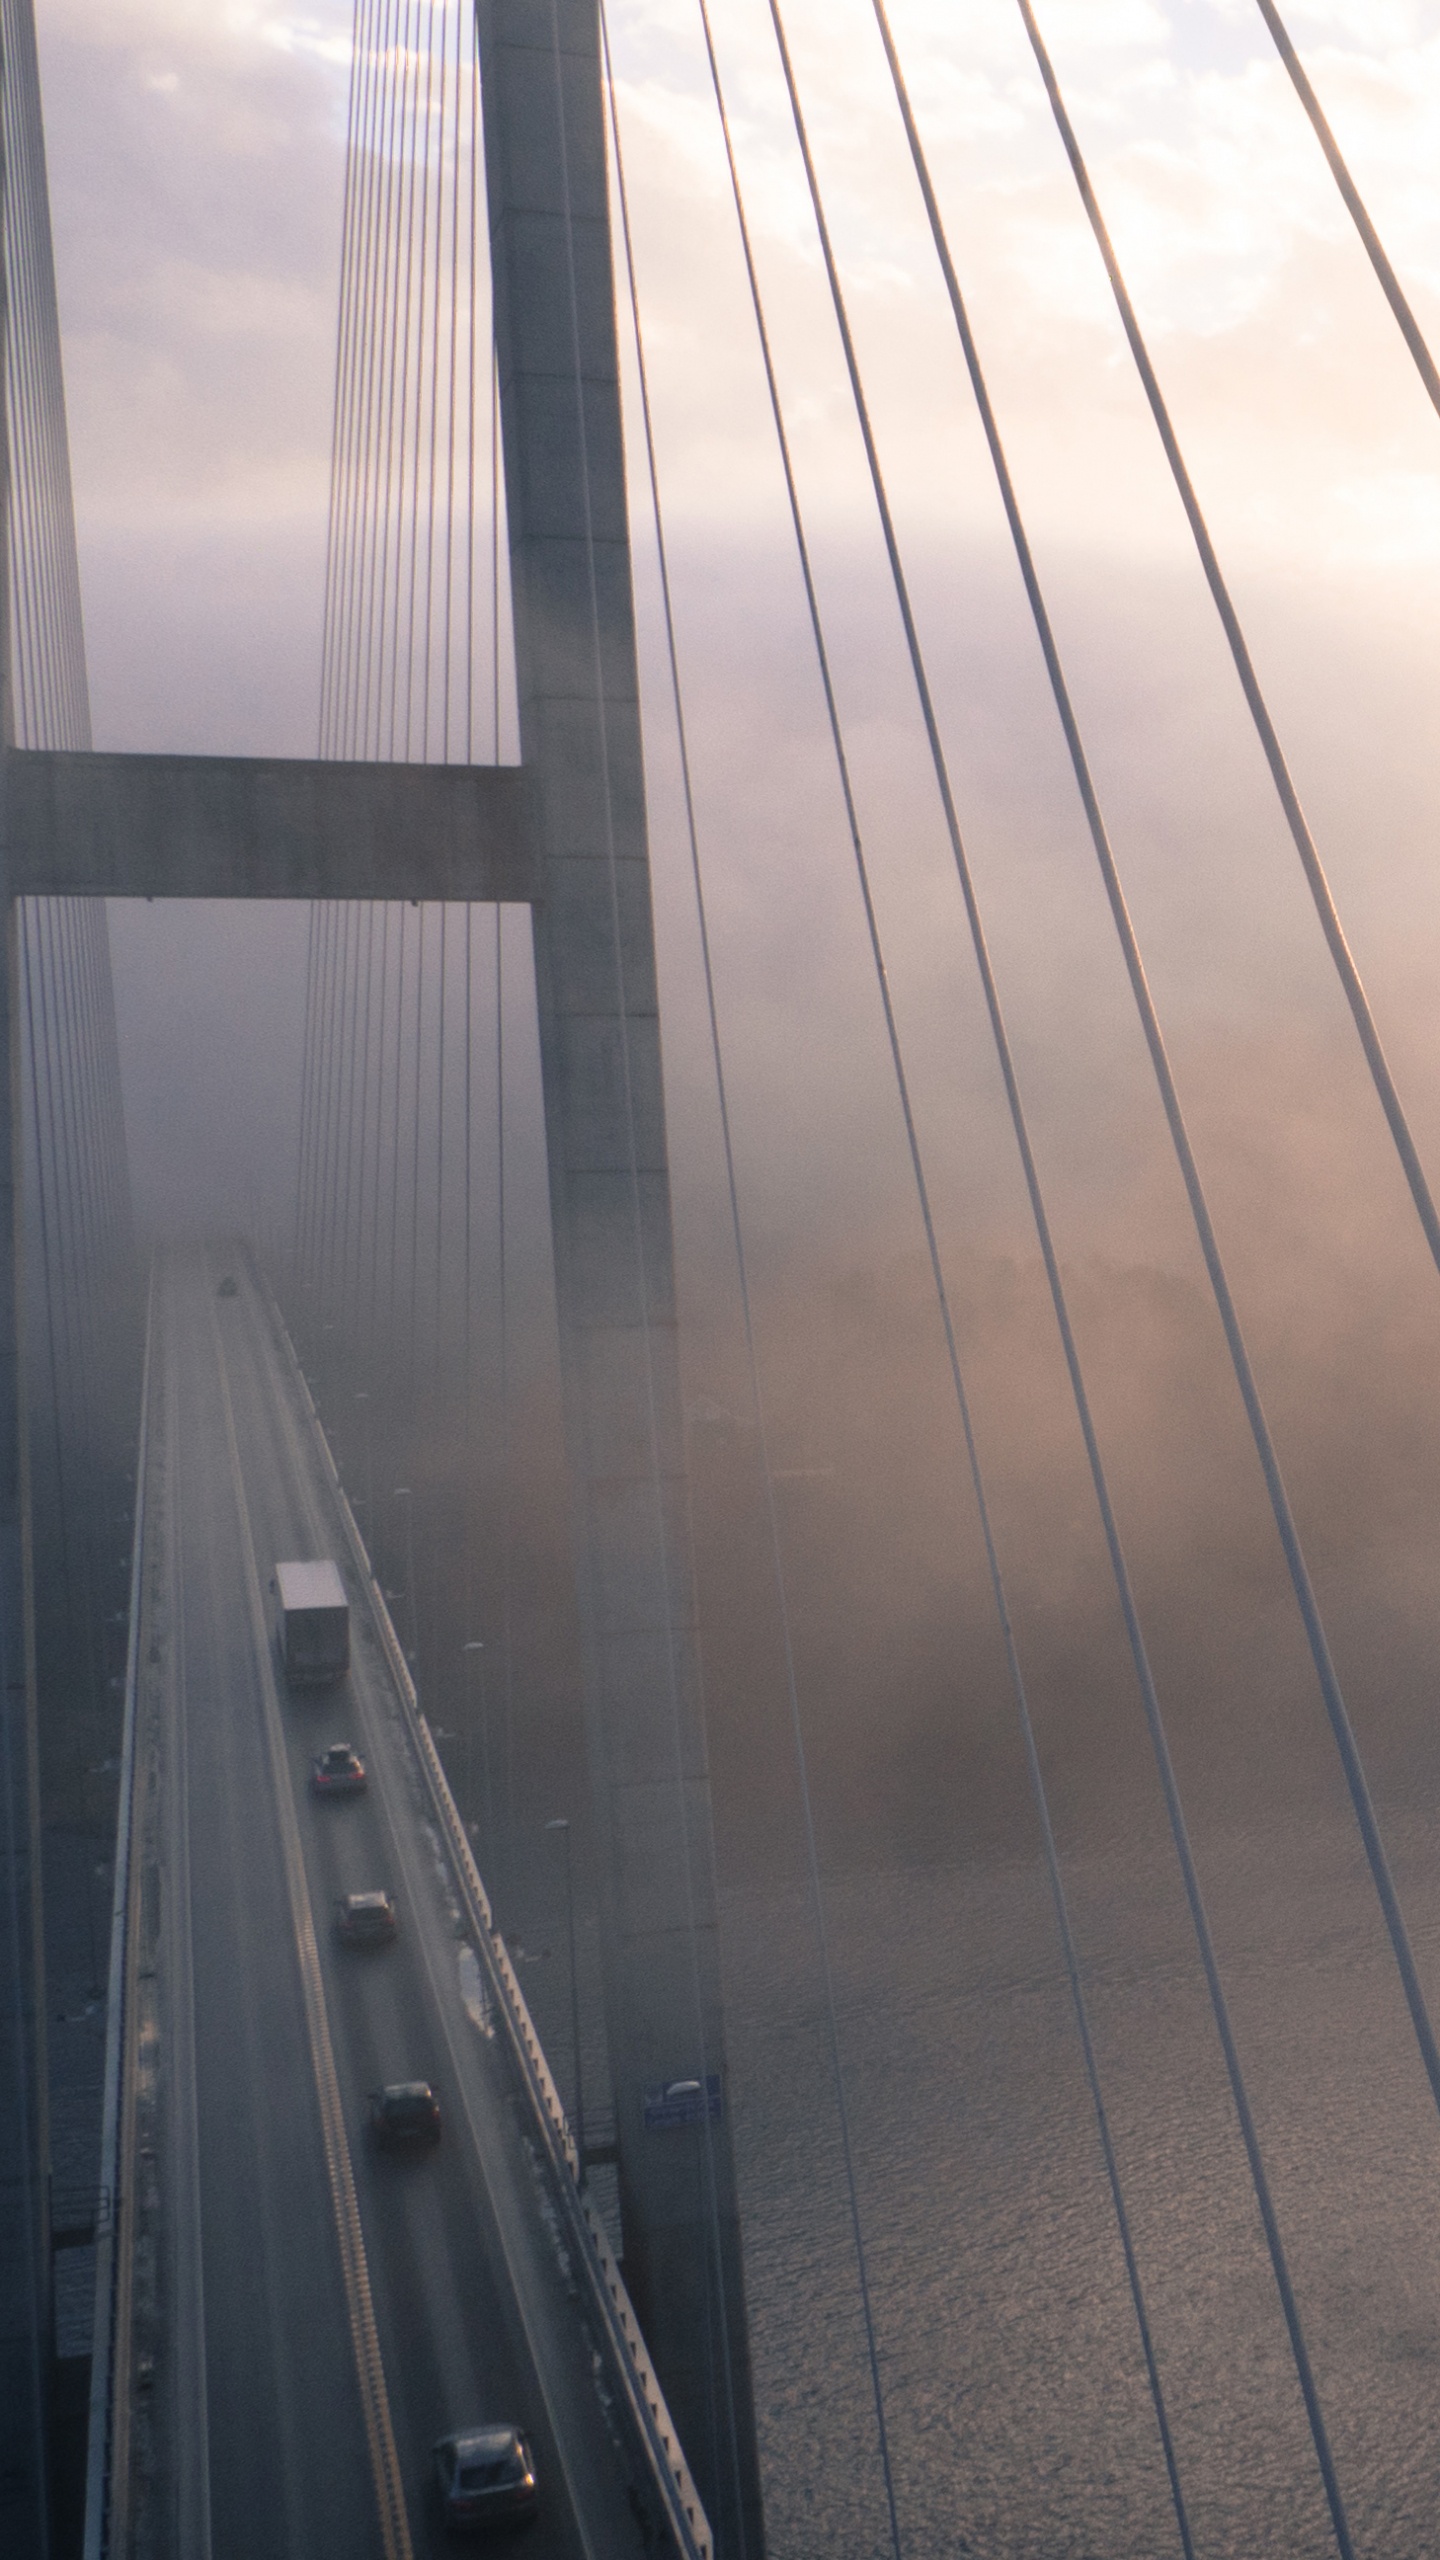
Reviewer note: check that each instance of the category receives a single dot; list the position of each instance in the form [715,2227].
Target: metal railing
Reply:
[627,2354]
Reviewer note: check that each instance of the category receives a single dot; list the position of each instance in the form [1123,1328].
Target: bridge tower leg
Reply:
[610,1204]
[25,2328]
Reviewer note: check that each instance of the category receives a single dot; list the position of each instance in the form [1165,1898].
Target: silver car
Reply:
[486,2476]
[365,1919]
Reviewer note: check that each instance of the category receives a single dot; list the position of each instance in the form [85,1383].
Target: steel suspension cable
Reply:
[331,1104]
[67,1102]
[368,395]
[757,1399]
[307,1105]
[382,492]
[1295,819]
[422,272]
[1039,1792]
[303,1144]
[502,1249]
[361,61]
[349,364]
[437,289]
[1099,1477]
[405,312]
[393,1298]
[1354,202]
[470,401]
[1287,1529]
[372,1327]
[366,1052]
[495,547]
[449,591]
[323,1166]
[349,1106]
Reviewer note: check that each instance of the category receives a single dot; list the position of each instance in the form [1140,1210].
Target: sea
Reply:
[1017,2414]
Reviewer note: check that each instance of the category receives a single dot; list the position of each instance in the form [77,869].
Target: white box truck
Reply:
[312,1623]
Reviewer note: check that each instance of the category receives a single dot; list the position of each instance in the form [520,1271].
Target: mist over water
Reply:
[1015,2396]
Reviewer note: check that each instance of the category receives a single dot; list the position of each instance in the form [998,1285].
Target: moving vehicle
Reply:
[406,2112]
[312,1623]
[338,1771]
[366,1919]
[486,2476]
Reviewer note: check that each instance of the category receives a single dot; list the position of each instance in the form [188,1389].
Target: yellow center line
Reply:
[364,2338]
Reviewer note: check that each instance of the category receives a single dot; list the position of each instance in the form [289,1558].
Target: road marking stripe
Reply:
[303,1455]
[370,2371]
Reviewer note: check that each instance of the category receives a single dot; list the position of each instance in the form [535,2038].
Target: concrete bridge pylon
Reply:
[568,834]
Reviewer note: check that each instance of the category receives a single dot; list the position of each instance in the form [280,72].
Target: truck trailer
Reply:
[312,1623]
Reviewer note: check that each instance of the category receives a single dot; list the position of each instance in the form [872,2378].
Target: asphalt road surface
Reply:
[330,2311]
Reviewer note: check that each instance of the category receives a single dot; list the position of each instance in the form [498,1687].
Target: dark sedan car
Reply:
[338,1771]
[365,1919]
[404,2114]
[486,2476]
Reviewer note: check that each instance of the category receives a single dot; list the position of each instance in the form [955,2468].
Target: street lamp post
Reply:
[362,1396]
[561,1824]
[474,1645]
[403,1493]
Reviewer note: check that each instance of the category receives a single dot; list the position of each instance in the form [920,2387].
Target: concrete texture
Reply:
[24,2132]
[25,2325]
[609,1186]
[568,834]
[122,826]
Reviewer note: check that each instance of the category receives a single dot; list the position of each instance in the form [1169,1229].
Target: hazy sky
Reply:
[196,171]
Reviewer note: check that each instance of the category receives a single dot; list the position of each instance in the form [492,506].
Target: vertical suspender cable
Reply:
[437,288]
[361,57]
[461,19]
[470,369]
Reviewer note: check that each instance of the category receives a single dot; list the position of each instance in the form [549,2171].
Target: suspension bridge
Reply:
[277,2322]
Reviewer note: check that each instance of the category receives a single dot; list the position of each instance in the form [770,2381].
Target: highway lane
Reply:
[472,2312]
[270,2451]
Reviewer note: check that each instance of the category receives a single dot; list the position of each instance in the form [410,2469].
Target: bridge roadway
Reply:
[294,2426]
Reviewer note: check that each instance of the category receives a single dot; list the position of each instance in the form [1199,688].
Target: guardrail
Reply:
[629,2358]
[112,2228]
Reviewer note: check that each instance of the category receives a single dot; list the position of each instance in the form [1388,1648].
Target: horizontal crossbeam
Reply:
[118,826]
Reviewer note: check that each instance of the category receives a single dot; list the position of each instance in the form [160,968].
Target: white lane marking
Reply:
[407,1852]
[364,2337]
[192,2485]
